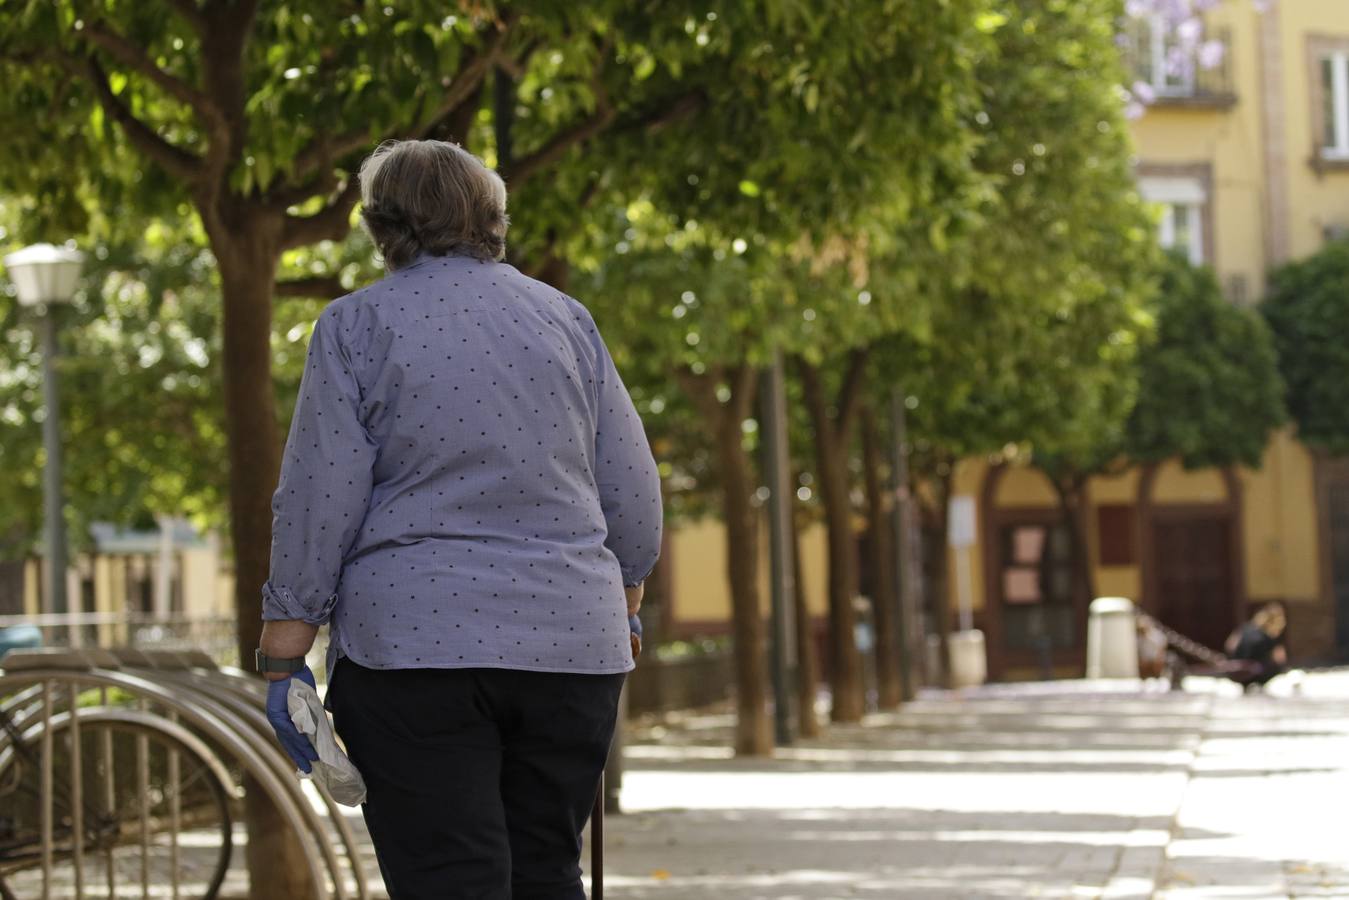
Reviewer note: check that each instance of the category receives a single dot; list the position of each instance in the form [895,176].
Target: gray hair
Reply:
[432,197]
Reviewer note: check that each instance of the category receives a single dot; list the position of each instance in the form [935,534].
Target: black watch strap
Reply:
[288,664]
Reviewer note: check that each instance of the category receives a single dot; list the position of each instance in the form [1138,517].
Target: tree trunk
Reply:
[753,731]
[884,600]
[845,663]
[753,735]
[247,256]
[807,659]
[1072,502]
[941,586]
[254,437]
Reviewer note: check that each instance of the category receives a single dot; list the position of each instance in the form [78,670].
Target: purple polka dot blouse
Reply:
[465,479]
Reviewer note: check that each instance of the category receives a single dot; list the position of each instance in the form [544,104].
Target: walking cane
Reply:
[597,845]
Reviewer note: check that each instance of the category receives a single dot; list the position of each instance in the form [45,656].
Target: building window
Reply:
[1335,105]
[1037,586]
[1183,202]
[1160,60]
[1167,66]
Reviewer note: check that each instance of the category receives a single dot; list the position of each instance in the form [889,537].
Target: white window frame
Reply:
[1171,193]
[1158,32]
[1339,103]
[1194,221]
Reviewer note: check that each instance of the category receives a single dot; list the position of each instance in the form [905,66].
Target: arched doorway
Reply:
[1190,537]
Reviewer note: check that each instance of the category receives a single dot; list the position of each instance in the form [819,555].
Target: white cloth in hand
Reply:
[333,770]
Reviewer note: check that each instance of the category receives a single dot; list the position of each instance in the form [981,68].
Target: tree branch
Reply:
[134,57]
[456,126]
[174,160]
[560,143]
[664,112]
[190,12]
[320,154]
[332,223]
[473,68]
[654,117]
[328,287]
[284,194]
[462,87]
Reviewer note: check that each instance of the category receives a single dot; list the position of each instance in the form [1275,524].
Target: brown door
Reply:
[1338,497]
[1194,575]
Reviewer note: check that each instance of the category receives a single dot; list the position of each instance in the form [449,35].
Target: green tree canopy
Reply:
[1210,392]
[1308,309]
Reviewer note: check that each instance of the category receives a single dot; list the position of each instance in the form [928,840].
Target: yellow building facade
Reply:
[1248,165]
[1247,162]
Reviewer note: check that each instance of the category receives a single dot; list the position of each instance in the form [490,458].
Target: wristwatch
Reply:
[264,663]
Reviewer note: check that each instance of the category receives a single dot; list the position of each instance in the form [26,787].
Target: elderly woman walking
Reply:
[468,499]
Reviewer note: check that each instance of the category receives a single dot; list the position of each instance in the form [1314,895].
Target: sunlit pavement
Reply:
[1048,790]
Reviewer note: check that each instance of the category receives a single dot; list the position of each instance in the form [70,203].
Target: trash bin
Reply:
[1112,639]
[969,662]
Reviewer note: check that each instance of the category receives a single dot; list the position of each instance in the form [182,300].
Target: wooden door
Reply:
[1194,575]
[1338,507]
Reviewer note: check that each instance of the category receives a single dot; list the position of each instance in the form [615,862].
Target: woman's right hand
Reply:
[635,635]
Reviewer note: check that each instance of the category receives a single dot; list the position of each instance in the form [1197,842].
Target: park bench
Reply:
[1189,657]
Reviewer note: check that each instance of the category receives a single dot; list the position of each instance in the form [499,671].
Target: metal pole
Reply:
[903,561]
[612,786]
[143,795]
[773,400]
[109,793]
[55,556]
[175,813]
[597,843]
[163,589]
[76,790]
[45,777]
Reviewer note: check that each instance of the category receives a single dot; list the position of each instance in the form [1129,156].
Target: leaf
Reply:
[989,22]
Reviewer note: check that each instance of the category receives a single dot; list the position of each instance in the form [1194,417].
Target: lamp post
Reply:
[45,277]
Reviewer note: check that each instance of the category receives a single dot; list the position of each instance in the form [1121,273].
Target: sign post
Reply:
[969,662]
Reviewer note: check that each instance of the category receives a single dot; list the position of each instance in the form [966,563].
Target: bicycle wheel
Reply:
[135,800]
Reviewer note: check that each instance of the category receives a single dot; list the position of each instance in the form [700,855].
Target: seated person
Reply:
[1152,648]
[1259,645]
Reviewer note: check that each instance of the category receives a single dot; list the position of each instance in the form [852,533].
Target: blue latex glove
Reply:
[296,745]
[635,627]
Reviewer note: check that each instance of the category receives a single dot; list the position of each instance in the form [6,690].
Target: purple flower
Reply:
[1144,92]
[1211,54]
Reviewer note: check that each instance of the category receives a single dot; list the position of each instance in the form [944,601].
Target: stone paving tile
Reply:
[1054,790]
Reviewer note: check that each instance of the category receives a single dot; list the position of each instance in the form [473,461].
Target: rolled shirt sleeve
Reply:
[625,472]
[324,489]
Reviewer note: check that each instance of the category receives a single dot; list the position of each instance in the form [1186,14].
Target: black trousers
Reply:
[478,781]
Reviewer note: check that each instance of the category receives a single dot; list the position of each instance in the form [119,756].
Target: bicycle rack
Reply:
[204,715]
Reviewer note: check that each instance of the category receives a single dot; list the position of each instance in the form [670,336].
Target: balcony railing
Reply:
[1175,75]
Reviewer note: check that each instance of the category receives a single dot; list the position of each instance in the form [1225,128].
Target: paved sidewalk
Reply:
[1051,790]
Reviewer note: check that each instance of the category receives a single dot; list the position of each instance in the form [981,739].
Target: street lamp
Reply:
[45,277]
